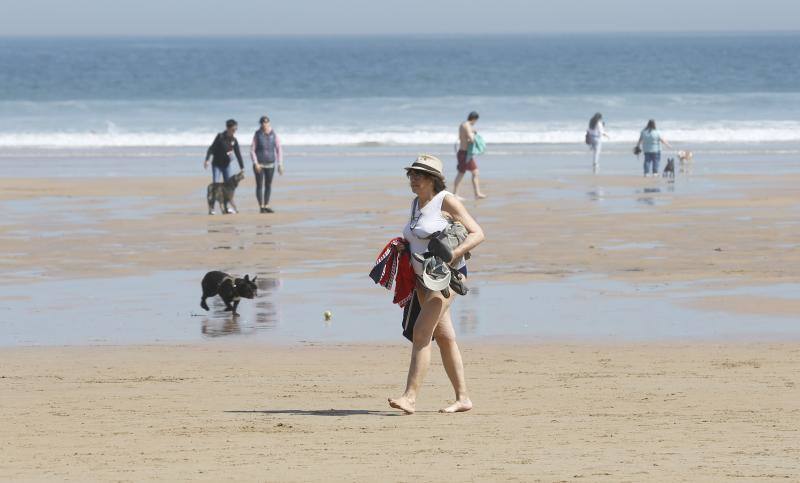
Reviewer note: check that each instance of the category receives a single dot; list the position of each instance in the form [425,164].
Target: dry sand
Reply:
[571,412]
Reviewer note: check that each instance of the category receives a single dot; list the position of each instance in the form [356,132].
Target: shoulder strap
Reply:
[414,207]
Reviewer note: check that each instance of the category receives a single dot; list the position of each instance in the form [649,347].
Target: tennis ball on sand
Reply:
[327,314]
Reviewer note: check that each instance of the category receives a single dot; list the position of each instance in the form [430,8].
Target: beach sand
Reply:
[554,412]
[728,230]
[693,410]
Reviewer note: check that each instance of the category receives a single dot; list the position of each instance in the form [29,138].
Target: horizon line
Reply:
[643,32]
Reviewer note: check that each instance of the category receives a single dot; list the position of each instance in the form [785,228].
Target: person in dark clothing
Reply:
[265,152]
[222,151]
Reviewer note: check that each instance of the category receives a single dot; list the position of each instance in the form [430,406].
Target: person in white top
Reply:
[595,134]
[433,208]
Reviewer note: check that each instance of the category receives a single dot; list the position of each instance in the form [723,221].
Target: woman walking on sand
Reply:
[432,210]
[650,141]
[594,137]
[222,152]
[265,151]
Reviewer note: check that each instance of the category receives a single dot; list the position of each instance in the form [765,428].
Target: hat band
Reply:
[425,167]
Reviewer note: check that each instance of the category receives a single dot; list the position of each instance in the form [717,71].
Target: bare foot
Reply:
[403,404]
[458,407]
[480,196]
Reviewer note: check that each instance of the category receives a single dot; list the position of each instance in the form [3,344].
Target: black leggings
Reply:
[264,184]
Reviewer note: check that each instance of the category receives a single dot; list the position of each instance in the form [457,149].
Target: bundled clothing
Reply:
[394,267]
[410,315]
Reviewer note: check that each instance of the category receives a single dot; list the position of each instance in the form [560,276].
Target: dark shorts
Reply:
[463,270]
[465,165]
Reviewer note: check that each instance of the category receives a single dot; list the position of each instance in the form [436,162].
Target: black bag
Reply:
[637,150]
[588,138]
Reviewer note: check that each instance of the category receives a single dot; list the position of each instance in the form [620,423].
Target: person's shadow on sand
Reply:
[321,412]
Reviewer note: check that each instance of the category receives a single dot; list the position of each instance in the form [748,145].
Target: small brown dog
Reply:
[687,159]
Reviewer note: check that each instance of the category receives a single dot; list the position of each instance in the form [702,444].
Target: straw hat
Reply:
[428,164]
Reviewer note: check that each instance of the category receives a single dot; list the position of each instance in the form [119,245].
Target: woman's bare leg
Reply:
[433,304]
[451,359]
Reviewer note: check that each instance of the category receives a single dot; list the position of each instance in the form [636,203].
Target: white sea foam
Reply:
[750,132]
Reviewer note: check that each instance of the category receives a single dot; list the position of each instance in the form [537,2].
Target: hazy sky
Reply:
[280,17]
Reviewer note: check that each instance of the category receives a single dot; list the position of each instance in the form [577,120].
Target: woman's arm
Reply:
[253,156]
[279,154]
[210,151]
[475,236]
[238,154]
[665,143]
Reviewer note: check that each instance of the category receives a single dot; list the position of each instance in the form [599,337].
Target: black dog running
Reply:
[229,289]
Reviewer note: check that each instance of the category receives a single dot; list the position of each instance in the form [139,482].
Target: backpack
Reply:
[588,138]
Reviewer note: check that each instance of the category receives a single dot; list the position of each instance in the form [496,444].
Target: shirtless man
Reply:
[466,136]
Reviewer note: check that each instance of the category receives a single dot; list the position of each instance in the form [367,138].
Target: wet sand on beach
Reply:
[709,256]
[552,412]
[731,229]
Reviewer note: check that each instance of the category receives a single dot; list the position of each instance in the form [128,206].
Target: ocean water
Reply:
[399,91]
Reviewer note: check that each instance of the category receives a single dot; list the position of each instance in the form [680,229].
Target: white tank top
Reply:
[425,222]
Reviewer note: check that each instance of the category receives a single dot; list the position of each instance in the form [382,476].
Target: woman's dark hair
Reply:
[263,119]
[651,125]
[438,183]
[231,123]
[594,120]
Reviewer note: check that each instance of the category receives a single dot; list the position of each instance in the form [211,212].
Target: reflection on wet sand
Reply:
[468,322]
[648,200]
[596,194]
[213,327]
[291,310]
[264,235]
[466,313]
[265,316]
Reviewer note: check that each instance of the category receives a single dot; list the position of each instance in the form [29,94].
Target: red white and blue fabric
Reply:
[394,266]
